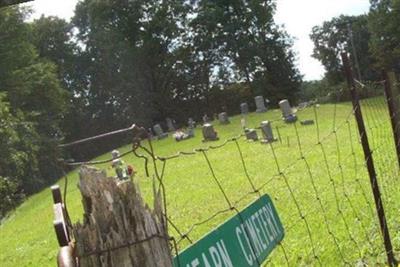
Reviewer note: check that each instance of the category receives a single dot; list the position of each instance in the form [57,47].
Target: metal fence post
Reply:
[393,111]
[369,161]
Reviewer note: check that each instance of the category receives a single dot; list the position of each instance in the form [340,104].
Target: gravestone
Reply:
[251,134]
[159,131]
[307,122]
[150,134]
[209,134]
[260,104]
[285,108]
[287,112]
[170,124]
[244,108]
[191,126]
[206,119]
[267,133]
[223,118]
[191,123]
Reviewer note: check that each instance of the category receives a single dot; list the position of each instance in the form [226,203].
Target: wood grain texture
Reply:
[118,228]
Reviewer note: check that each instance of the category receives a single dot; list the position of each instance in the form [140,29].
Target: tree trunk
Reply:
[118,228]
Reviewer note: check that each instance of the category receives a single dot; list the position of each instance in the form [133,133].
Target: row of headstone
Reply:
[266,131]
[260,105]
[209,134]
[287,112]
[159,132]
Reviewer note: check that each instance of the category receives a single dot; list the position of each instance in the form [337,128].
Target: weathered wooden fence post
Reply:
[118,228]
[369,161]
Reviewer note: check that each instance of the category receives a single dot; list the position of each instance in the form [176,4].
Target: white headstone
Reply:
[285,108]
[260,104]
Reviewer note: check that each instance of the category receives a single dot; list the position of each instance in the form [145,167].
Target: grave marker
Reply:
[260,104]
[223,118]
[267,133]
[287,112]
[159,131]
[206,119]
[251,134]
[209,134]
[191,126]
[244,108]
[307,122]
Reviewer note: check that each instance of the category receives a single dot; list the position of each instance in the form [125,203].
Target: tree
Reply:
[384,24]
[53,39]
[18,163]
[334,37]
[130,47]
[32,91]
[240,41]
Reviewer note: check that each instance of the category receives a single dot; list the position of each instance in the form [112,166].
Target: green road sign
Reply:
[244,240]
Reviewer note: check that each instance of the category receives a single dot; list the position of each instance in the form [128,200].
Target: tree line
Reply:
[120,62]
[372,40]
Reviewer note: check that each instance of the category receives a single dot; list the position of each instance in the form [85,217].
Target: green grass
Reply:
[27,237]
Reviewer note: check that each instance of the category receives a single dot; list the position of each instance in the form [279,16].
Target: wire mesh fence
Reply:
[316,175]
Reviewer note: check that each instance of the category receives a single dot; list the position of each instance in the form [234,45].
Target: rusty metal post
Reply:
[393,112]
[369,161]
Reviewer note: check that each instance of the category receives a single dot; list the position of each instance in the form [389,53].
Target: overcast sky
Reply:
[298,16]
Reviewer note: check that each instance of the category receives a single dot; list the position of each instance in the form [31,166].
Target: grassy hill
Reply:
[27,237]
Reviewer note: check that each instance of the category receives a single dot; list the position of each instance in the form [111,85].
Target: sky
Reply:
[298,17]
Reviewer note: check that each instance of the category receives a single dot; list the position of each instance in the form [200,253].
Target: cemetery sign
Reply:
[244,240]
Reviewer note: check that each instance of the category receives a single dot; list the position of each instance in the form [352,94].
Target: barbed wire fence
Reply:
[317,176]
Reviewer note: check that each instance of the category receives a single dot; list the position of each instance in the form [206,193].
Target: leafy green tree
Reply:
[31,83]
[32,90]
[18,162]
[384,24]
[130,50]
[240,41]
[334,37]
[53,39]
